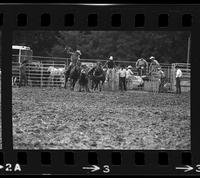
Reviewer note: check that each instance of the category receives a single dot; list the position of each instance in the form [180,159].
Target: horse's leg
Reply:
[53,79]
[92,87]
[103,83]
[100,85]
[66,80]
[87,88]
[71,84]
[96,85]
[49,81]
[79,88]
[74,83]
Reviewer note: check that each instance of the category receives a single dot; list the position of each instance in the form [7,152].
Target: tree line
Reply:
[166,46]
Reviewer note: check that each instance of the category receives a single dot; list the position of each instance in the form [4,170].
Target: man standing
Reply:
[141,66]
[110,66]
[122,78]
[154,65]
[129,73]
[178,80]
[162,79]
[22,73]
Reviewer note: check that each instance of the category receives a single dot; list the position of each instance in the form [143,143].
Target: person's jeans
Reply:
[122,83]
[178,85]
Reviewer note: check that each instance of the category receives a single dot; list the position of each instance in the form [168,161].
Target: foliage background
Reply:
[166,46]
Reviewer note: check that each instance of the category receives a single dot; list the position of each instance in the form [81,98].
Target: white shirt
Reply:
[122,72]
[129,73]
[179,73]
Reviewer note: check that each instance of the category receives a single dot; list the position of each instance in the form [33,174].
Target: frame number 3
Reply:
[107,169]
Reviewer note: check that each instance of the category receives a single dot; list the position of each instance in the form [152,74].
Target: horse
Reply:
[74,76]
[83,81]
[91,77]
[55,73]
[99,77]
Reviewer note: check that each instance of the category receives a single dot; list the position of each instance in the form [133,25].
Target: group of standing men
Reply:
[142,68]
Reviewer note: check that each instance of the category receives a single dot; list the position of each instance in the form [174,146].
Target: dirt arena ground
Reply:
[53,118]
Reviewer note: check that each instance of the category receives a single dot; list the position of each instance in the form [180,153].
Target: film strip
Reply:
[19,156]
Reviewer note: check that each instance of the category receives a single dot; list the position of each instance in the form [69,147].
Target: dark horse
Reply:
[83,81]
[74,75]
[91,77]
[98,77]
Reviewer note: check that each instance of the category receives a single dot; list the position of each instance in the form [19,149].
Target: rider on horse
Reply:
[74,60]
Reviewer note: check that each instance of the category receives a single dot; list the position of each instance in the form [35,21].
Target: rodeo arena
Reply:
[50,72]
[63,103]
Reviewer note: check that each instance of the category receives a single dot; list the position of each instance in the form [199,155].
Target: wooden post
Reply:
[53,77]
[173,77]
[188,52]
[113,79]
[41,77]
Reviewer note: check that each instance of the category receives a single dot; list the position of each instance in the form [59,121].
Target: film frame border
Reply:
[123,161]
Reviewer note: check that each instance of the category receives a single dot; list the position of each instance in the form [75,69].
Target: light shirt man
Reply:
[122,72]
[128,73]
[154,65]
[179,73]
[178,80]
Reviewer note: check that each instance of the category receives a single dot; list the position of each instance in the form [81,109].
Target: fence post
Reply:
[41,84]
[112,79]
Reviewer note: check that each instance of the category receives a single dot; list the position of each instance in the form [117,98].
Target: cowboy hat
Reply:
[159,68]
[78,51]
[152,57]
[111,58]
[129,67]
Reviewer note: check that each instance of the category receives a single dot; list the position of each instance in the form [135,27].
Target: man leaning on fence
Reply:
[141,66]
[178,80]
[22,73]
[154,65]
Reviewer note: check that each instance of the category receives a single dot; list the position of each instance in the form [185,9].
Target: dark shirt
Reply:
[110,64]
